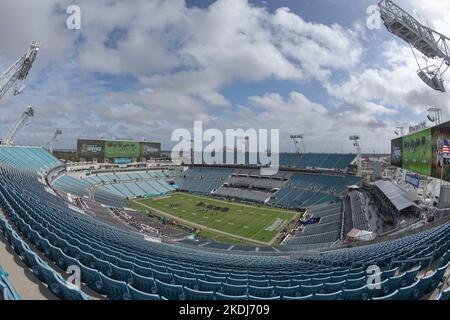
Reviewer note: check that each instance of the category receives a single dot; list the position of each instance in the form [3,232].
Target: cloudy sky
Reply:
[142,68]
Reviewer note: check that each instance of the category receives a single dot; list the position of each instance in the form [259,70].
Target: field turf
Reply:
[249,223]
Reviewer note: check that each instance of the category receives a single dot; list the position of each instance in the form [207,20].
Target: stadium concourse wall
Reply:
[421,152]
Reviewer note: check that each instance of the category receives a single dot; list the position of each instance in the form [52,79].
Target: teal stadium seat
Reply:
[191,294]
[221,296]
[391,296]
[115,290]
[169,291]
[135,294]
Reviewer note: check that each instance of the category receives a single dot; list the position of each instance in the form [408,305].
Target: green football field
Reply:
[248,223]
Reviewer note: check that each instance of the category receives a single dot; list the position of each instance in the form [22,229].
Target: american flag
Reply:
[446,147]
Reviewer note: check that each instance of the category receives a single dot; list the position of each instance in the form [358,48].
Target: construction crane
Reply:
[299,149]
[23,120]
[432,45]
[18,72]
[54,140]
[357,146]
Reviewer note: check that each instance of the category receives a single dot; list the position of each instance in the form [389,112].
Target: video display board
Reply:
[423,152]
[91,148]
[122,149]
[417,152]
[150,149]
[397,152]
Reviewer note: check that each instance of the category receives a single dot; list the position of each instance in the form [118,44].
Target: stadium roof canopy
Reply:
[400,198]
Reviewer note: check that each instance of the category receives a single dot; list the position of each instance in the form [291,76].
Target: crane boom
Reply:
[20,123]
[18,72]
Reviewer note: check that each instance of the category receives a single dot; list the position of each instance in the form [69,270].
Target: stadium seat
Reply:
[328,296]
[237,282]
[120,274]
[355,294]
[263,292]
[115,290]
[211,278]
[388,273]
[220,296]
[64,261]
[258,283]
[333,287]
[29,257]
[185,282]
[67,292]
[141,283]
[163,276]
[143,271]
[191,294]
[102,266]
[233,290]
[89,276]
[306,290]
[444,295]
[135,294]
[204,285]
[355,283]
[428,283]
[287,291]
[393,283]
[169,291]
[250,297]
[408,292]
[410,276]
[288,283]
[54,253]
[391,296]
[45,273]
[307,297]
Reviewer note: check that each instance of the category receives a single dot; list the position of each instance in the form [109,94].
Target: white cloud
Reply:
[183,57]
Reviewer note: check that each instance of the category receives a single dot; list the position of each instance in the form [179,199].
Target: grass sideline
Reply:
[244,222]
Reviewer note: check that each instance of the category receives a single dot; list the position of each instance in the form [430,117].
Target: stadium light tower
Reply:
[18,72]
[433,45]
[23,120]
[54,140]
[356,144]
[297,138]
[435,115]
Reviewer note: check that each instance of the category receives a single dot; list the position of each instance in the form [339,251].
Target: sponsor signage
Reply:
[422,125]
[413,180]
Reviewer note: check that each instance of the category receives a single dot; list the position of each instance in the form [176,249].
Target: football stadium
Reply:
[91,216]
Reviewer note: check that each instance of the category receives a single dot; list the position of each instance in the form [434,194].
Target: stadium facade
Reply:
[117,151]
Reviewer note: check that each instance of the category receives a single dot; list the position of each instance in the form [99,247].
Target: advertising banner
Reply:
[91,148]
[150,149]
[412,180]
[397,152]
